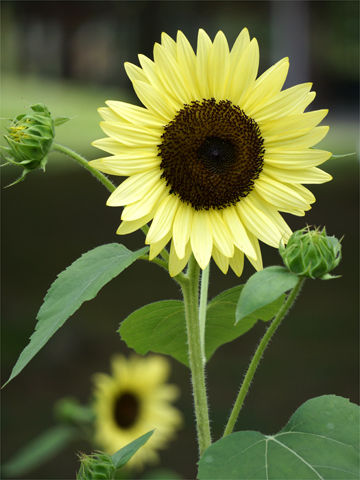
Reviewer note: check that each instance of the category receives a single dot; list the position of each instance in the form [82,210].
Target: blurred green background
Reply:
[70,56]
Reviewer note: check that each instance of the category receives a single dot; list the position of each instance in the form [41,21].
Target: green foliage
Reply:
[122,456]
[320,441]
[160,326]
[101,466]
[311,253]
[29,139]
[69,410]
[264,288]
[97,466]
[80,282]
[39,450]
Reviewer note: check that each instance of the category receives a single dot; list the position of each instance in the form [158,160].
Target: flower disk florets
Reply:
[311,253]
[211,153]
[30,138]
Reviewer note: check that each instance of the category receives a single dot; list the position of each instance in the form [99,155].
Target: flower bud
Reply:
[97,466]
[311,253]
[29,139]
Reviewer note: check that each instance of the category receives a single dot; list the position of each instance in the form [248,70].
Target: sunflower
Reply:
[133,401]
[215,153]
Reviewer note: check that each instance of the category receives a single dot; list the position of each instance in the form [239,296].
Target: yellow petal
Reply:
[109,145]
[219,63]
[267,85]
[187,64]
[118,165]
[181,228]
[239,232]
[130,134]
[157,247]
[243,74]
[221,261]
[154,101]
[306,175]
[168,44]
[279,194]
[163,219]
[133,188]
[289,125]
[135,73]
[134,114]
[130,227]
[258,222]
[237,262]
[241,43]
[204,46]
[176,264]
[171,76]
[295,159]
[107,114]
[257,262]
[297,142]
[147,203]
[284,103]
[220,233]
[201,238]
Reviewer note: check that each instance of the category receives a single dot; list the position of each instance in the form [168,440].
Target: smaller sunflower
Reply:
[132,401]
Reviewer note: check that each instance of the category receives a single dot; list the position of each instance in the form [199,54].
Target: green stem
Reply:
[190,290]
[202,308]
[258,354]
[84,163]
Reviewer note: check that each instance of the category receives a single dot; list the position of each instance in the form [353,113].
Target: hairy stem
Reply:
[258,354]
[190,290]
[203,307]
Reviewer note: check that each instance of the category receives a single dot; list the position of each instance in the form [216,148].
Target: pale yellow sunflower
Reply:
[132,401]
[215,153]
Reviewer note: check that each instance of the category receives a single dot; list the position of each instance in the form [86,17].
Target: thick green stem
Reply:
[190,290]
[84,163]
[258,354]
[203,307]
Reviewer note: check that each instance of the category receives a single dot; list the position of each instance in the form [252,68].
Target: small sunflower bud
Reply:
[311,253]
[97,466]
[30,138]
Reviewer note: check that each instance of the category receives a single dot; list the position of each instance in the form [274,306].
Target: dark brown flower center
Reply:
[126,409]
[211,153]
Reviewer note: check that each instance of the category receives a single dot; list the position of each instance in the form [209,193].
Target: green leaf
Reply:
[161,474]
[80,282]
[320,441]
[160,326]
[122,456]
[39,450]
[263,288]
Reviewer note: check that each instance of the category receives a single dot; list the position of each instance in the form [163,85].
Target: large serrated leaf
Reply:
[320,442]
[263,288]
[160,326]
[80,282]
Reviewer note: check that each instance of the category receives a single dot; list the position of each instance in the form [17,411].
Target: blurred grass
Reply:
[80,103]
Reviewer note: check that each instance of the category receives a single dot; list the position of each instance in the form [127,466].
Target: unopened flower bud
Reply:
[30,136]
[97,466]
[311,253]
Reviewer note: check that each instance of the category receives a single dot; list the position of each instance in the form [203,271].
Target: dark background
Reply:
[70,55]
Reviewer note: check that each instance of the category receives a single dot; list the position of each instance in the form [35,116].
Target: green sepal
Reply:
[60,121]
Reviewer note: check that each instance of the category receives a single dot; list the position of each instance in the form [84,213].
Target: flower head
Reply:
[30,138]
[132,401]
[215,153]
[311,253]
